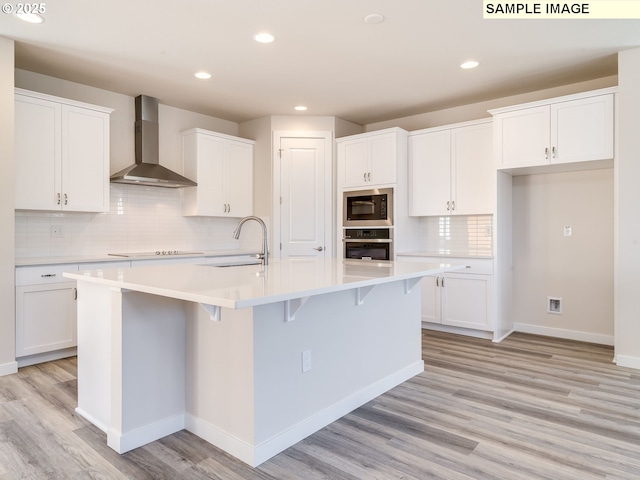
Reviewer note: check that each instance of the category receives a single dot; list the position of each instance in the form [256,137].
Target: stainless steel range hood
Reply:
[147,169]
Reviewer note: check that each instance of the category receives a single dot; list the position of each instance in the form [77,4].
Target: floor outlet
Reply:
[554,305]
[306,361]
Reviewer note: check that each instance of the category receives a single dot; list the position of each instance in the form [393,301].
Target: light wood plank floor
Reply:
[527,408]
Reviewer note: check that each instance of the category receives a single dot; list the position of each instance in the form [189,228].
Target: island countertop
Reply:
[253,285]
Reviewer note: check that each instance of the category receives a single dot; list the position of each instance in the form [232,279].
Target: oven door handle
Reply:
[364,240]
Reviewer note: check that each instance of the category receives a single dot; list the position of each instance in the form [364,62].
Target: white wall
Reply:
[7,296]
[627,317]
[260,131]
[579,269]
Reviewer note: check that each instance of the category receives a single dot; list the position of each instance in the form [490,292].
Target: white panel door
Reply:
[38,154]
[582,130]
[45,318]
[473,173]
[239,179]
[522,137]
[466,300]
[431,299]
[210,154]
[85,159]
[356,162]
[302,193]
[430,173]
[383,159]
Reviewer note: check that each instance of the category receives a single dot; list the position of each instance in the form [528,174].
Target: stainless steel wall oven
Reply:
[368,244]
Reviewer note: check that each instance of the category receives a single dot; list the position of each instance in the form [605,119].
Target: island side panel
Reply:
[94,352]
[219,379]
[357,352]
[147,369]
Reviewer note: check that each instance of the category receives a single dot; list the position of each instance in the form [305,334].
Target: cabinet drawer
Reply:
[43,274]
[482,266]
[474,265]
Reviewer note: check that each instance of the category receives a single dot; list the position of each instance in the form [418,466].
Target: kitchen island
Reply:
[251,358]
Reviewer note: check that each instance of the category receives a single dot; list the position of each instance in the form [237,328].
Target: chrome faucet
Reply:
[264,256]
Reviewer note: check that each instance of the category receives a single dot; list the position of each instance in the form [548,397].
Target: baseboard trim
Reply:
[626,361]
[92,419]
[46,357]
[562,333]
[124,442]
[499,339]
[458,330]
[8,368]
[254,455]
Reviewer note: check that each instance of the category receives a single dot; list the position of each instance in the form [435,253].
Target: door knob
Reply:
[319,249]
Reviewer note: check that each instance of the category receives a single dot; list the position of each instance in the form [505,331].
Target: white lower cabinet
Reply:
[461,299]
[458,300]
[45,309]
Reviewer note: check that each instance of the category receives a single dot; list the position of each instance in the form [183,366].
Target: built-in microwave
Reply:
[368,208]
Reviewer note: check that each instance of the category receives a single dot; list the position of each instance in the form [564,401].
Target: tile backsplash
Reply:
[141,219]
[457,235]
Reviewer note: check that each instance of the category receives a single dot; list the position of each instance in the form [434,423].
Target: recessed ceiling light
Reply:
[264,37]
[30,17]
[203,75]
[300,108]
[469,64]
[373,19]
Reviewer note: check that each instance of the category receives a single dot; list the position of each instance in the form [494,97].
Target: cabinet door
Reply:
[355,162]
[522,137]
[85,160]
[431,299]
[466,301]
[430,173]
[210,189]
[45,318]
[238,173]
[582,130]
[383,158]
[38,154]
[473,173]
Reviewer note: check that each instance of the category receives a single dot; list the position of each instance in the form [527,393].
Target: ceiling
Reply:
[325,56]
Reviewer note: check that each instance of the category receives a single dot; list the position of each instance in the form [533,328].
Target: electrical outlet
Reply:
[57,231]
[306,361]
[568,231]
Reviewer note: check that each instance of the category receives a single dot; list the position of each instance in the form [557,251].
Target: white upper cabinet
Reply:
[578,128]
[369,159]
[222,165]
[451,170]
[62,154]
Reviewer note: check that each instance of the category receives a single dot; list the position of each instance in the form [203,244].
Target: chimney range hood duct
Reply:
[147,169]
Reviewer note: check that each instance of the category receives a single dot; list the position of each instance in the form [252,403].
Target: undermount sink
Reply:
[224,265]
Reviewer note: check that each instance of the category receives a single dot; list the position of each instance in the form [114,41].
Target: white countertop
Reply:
[252,285]
[422,253]
[32,261]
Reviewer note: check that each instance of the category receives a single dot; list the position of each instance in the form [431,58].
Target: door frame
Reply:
[327,136]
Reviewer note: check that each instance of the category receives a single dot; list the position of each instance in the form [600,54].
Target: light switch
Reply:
[568,231]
